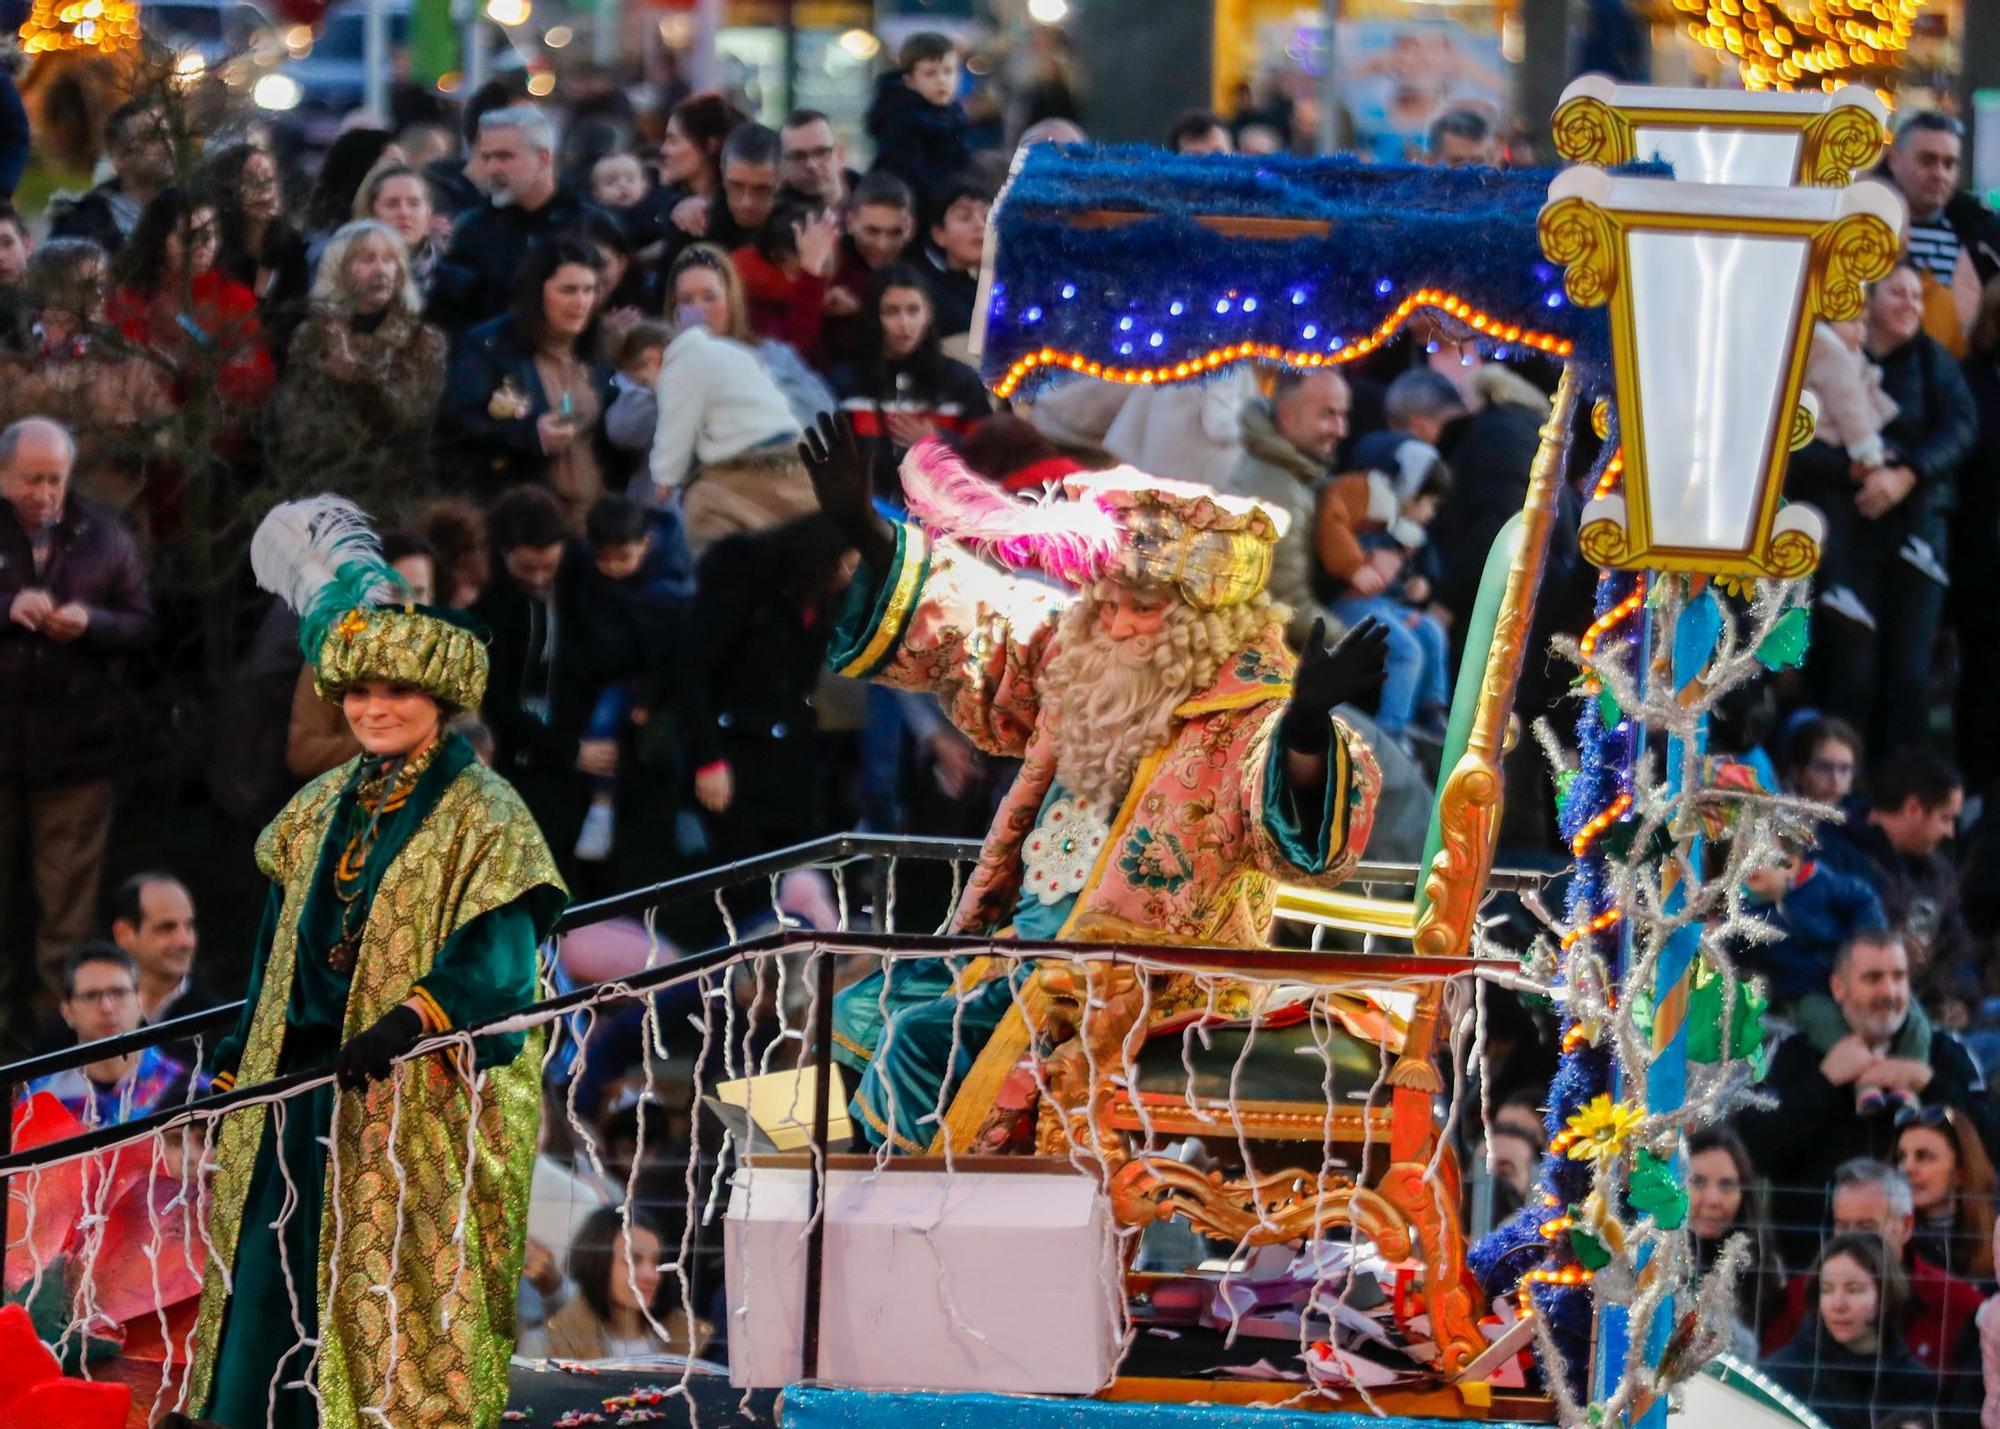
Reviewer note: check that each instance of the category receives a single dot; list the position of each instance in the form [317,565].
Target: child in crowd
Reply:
[1853,410]
[1817,909]
[918,125]
[958,243]
[1371,540]
[628,601]
[634,411]
[620,185]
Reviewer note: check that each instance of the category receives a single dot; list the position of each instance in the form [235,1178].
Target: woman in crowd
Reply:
[621,1294]
[1723,1201]
[631,289]
[1952,1186]
[751,725]
[113,402]
[355,409]
[172,299]
[1848,1361]
[527,391]
[901,387]
[255,246]
[399,196]
[690,169]
[349,160]
[725,438]
[1875,658]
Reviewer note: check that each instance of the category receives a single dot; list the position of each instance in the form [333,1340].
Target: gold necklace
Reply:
[380,794]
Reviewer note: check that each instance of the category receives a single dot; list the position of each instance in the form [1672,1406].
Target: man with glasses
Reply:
[100,999]
[812,160]
[1924,165]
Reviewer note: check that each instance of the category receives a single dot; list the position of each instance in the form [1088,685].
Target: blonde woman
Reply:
[724,440]
[365,371]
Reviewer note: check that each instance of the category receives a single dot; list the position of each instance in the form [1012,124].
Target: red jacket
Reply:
[1939,1328]
[790,310]
[218,333]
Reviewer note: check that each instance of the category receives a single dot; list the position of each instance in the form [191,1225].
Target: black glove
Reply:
[365,1057]
[1352,670]
[840,479]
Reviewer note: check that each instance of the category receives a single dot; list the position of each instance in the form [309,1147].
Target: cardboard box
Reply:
[1026,1258]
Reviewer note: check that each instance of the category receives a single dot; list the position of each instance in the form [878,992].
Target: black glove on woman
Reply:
[365,1057]
[1352,670]
[840,479]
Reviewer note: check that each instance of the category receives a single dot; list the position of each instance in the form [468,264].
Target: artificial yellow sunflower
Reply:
[1600,1130]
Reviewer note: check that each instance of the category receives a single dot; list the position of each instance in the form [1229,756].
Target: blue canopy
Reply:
[1138,265]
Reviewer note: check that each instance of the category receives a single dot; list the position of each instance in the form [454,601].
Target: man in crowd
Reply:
[100,999]
[153,923]
[1871,1196]
[1287,443]
[1923,164]
[524,207]
[142,163]
[812,159]
[750,157]
[881,221]
[533,704]
[1914,801]
[1198,132]
[75,603]
[1464,139]
[958,242]
[1838,1086]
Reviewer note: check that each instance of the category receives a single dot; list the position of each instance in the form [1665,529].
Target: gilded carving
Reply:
[1589,131]
[1603,543]
[1792,554]
[1582,237]
[1848,254]
[1803,425]
[1266,1209]
[1600,418]
[1839,144]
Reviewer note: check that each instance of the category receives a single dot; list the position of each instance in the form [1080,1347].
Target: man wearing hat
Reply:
[1177,763]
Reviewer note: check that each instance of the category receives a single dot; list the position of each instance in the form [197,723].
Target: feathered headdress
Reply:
[1147,531]
[356,621]
[322,558]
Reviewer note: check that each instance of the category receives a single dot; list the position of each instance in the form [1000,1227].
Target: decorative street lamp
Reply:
[1717,137]
[1713,291]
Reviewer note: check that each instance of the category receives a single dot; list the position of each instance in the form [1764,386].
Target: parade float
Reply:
[1212,1184]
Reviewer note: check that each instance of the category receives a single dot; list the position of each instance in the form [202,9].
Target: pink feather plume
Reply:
[1073,541]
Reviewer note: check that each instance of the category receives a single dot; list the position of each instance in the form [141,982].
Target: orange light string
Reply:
[1447,303]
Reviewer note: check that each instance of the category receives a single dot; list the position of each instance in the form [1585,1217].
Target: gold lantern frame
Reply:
[1587,225]
[1839,135]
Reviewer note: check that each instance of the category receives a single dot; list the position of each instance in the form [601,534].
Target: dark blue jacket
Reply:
[1816,917]
[491,243]
[485,453]
[921,143]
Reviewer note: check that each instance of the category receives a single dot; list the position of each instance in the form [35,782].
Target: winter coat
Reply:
[922,143]
[1852,406]
[489,451]
[374,423]
[63,706]
[217,339]
[1191,432]
[787,308]
[114,405]
[492,242]
[1934,428]
[1816,915]
[1920,894]
[1846,1389]
[954,295]
[945,392]
[1490,454]
[1276,473]
[105,216]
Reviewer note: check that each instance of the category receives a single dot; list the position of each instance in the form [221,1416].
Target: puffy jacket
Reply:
[63,706]
[1935,424]
[921,143]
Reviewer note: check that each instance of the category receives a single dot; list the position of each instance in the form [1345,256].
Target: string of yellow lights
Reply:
[1783,44]
[1452,306]
[100,26]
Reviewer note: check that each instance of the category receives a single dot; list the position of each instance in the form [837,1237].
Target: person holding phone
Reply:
[527,391]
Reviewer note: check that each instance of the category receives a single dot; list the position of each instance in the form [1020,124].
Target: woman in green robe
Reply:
[410,891]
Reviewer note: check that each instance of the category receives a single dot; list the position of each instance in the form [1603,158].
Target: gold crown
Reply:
[1214,549]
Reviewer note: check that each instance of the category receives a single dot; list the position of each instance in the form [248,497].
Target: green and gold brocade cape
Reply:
[451,1330]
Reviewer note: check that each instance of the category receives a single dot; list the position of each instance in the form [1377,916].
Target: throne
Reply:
[1108,1046]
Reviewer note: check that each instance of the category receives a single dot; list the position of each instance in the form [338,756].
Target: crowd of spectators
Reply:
[570,387]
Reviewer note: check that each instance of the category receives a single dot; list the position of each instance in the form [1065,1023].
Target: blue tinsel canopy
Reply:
[1135,259]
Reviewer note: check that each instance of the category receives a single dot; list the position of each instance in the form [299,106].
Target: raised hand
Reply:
[839,470]
[1351,670]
